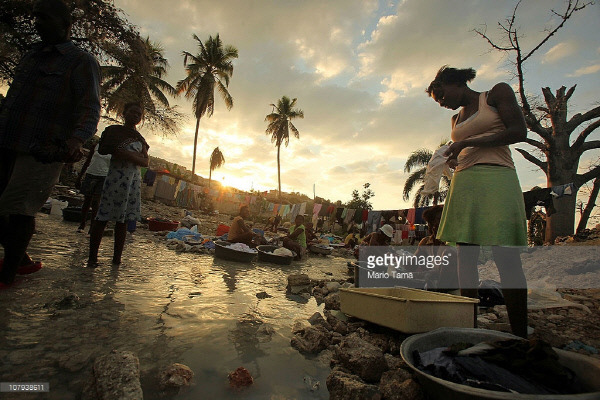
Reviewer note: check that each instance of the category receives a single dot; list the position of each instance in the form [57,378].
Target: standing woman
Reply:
[121,195]
[485,202]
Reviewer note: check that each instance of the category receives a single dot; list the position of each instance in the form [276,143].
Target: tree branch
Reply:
[579,119]
[541,164]
[584,134]
[593,144]
[580,179]
[534,125]
[536,143]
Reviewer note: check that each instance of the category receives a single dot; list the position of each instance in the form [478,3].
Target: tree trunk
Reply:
[195,145]
[209,177]
[561,171]
[589,206]
[279,172]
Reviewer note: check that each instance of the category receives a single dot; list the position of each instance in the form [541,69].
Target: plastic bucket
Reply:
[58,206]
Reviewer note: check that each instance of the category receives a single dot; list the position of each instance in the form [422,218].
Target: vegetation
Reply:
[560,154]
[280,125]
[416,164]
[216,161]
[209,69]
[361,201]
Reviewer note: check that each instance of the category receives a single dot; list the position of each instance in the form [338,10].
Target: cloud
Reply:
[558,52]
[592,69]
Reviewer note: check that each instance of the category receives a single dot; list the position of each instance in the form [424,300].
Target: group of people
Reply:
[50,110]
[53,107]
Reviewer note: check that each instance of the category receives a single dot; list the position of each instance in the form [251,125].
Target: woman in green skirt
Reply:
[485,202]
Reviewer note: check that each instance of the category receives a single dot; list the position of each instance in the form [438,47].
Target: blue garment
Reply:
[563,190]
[55,95]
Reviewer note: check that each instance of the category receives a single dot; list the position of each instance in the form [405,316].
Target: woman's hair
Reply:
[448,74]
[59,9]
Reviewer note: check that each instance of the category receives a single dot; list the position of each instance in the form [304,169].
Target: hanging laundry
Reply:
[150,177]
[323,211]
[365,215]
[419,215]
[538,197]
[358,216]
[563,190]
[436,168]
[411,216]
[302,209]
[294,212]
[316,209]
[349,215]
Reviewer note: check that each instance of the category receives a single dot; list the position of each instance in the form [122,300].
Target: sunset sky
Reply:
[359,69]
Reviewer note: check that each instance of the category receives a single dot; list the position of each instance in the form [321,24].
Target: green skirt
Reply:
[485,207]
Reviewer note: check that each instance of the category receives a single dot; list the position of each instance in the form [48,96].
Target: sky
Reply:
[359,69]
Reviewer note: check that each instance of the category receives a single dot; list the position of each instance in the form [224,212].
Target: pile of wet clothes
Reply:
[513,365]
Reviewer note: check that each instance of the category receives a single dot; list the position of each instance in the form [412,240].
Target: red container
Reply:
[157,226]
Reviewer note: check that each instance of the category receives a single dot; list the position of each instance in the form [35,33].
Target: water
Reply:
[164,306]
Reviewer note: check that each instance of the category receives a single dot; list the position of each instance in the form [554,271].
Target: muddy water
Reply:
[164,306]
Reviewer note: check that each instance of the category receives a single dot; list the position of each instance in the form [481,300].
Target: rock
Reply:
[305,295]
[263,295]
[300,325]
[298,280]
[175,376]
[344,386]
[317,319]
[333,286]
[240,378]
[394,363]
[311,340]
[362,358]
[332,301]
[117,376]
[395,385]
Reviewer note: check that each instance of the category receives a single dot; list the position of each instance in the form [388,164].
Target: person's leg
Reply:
[95,205]
[468,275]
[85,207]
[514,287]
[22,228]
[120,235]
[96,232]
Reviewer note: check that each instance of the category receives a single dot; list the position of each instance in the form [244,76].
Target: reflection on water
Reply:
[164,306]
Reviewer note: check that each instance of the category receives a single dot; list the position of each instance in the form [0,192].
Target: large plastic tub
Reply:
[408,310]
[587,369]
[265,253]
[225,253]
[157,226]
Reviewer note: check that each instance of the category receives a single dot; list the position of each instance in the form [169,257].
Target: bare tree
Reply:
[559,158]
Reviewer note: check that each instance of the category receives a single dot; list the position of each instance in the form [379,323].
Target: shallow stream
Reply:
[165,307]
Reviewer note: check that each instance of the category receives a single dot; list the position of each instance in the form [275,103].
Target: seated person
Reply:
[276,223]
[240,232]
[311,237]
[382,237]
[296,240]
[352,239]
[320,224]
[270,224]
[445,275]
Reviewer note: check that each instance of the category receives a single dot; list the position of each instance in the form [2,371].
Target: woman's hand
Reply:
[452,154]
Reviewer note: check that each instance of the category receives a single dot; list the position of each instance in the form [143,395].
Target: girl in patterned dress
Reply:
[121,195]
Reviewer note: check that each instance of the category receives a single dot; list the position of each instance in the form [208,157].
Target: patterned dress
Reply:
[121,195]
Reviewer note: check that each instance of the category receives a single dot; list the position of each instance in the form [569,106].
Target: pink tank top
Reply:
[486,121]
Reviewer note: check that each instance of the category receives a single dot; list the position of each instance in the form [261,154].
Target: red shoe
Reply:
[25,269]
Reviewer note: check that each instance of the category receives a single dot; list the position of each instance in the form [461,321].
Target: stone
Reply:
[333,286]
[311,340]
[263,295]
[175,376]
[298,280]
[300,325]
[393,362]
[317,319]
[297,289]
[117,376]
[240,378]
[332,301]
[362,358]
[344,386]
[395,385]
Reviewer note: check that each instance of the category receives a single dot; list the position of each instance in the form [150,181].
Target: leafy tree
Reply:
[216,161]
[361,201]
[133,66]
[136,75]
[417,164]
[280,125]
[207,70]
[559,155]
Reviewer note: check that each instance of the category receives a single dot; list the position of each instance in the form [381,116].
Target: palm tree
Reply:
[137,76]
[280,124]
[211,67]
[417,164]
[216,161]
